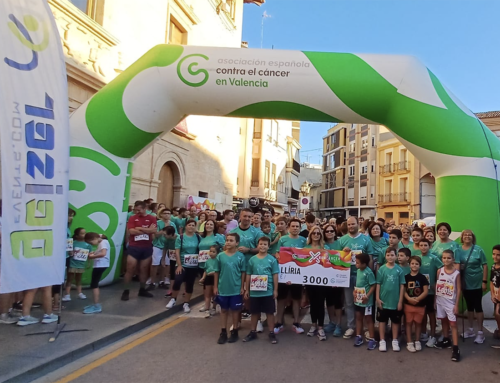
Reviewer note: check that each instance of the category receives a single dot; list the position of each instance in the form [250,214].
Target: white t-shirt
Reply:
[104,261]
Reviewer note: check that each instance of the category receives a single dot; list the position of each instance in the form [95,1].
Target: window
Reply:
[353,126]
[176,34]
[364,143]
[373,141]
[388,187]
[332,161]
[352,147]
[388,215]
[362,192]
[257,130]
[333,139]
[364,167]
[266,174]
[372,191]
[404,215]
[373,166]
[352,169]
[273,176]
[255,171]
[202,194]
[92,8]
[350,194]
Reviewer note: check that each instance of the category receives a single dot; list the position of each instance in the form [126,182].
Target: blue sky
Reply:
[457,39]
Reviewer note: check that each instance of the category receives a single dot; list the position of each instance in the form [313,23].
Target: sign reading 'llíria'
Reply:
[315,267]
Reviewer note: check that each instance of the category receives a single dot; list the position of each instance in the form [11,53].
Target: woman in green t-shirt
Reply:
[443,242]
[474,271]
[379,243]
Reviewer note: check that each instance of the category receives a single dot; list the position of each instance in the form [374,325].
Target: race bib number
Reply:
[80,254]
[353,256]
[171,255]
[191,260]
[69,244]
[445,289]
[203,256]
[258,283]
[142,237]
[360,293]
[368,310]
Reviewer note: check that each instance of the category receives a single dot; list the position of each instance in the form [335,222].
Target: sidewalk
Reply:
[24,358]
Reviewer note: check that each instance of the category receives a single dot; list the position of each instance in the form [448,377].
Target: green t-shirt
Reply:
[365,279]
[78,246]
[379,249]
[406,269]
[438,247]
[161,242]
[179,222]
[272,236]
[390,280]
[206,242]
[170,242]
[415,251]
[358,244]
[429,268]
[211,265]
[263,266]
[189,247]
[248,238]
[331,246]
[230,269]
[287,241]
[474,270]
[273,228]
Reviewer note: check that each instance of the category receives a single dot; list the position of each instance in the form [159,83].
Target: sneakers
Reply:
[418,346]
[27,320]
[431,342]
[321,334]
[337,333]
[245,315]
[167,281]
[151,287]
[93,309]
[445,343]
[203,309]
[395,346]
[212,312]
[207,314]
[455,354]
[6,318]
[49,318]
[171,304]
[260,327]
[372,344]
[125,295]
[168,294]
[251,336]
[222,337]
[469,333]
[330,327]
[66,298]
[186,308]
[424,337]
[272,338]
[411,347]
[161,285]
[312,331]
[349,333]
[234,336]
[382,346]
[82,296]
[479,338]
[298,328]
[145,294]
[358,341]
[278,327]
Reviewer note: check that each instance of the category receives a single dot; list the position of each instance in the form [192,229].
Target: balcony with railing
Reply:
[402,166]
[394,198]
[386,169]
[255,184]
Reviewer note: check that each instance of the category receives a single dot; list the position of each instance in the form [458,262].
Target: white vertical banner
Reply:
[34,134]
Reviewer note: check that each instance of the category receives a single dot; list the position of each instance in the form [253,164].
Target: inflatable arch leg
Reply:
[170,82]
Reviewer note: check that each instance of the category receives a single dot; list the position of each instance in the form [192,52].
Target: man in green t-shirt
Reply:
[229,281]
[261,287]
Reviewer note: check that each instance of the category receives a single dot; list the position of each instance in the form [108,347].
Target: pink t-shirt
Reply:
[231,225]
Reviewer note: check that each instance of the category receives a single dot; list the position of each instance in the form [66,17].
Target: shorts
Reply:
[414,313]
[384,315]
[334,297]
[444,312]
[429,304]
[284,289]
[76,271]
[140,253]
[473,299]
[188,276]
[230,302]
[366,311]
[209,281]
[97,273]
[266,305]
[173,266]
[157,255]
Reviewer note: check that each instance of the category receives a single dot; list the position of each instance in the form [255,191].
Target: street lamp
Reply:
[305,188]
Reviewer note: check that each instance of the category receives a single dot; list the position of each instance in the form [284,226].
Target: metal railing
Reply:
[255,184]
[394,197]
[386,169]
[402,166]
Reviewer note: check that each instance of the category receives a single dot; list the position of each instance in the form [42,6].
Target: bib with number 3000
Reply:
[69,244]
[203,256]
[360,294]
[445,289]
[171,255]
[142,237]
[191,260]
[258,283]
[80,254]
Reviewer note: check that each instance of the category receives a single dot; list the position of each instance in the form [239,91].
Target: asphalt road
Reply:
[186,351]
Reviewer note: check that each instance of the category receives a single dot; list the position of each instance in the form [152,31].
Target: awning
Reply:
[295,183]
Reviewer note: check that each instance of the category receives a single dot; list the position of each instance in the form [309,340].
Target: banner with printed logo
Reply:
[34,133]
[314,267]
[200,203]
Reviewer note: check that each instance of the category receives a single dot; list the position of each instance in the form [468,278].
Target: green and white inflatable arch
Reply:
[170,82]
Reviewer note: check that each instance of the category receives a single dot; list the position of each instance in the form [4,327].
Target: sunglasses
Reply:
[316,233]
[329,231]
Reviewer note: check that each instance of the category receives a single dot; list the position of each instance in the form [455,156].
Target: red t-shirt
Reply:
[141,240]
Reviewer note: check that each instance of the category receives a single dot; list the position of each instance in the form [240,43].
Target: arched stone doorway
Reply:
[167,180]
[427,196]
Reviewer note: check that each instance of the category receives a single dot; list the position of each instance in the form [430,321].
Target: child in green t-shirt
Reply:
[273,237]
[363,300]
[77,263]
[390,293]
[261,287]
[208,280]
[404,255]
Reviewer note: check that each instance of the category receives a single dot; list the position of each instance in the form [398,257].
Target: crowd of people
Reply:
[405,275]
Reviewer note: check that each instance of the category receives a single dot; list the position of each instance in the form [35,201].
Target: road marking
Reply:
[82,371]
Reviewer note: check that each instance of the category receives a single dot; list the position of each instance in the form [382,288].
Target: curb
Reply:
[61,361]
